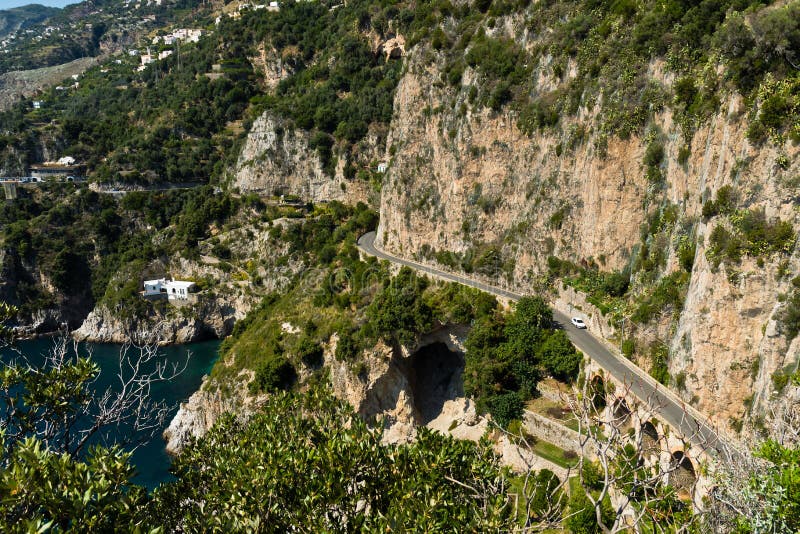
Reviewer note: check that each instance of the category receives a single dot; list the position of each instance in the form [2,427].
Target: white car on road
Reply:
[578,322]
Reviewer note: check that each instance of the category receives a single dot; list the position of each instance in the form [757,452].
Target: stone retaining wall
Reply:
[546,429]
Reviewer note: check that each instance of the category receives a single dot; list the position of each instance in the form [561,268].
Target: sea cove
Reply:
[151,459]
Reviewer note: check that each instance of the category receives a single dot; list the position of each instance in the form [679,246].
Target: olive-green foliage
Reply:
[458,304]
[604,289]
[783,377]
[273,373]
[628,347]
[724,204]
[310,463]
[508,354]
[44,491]
[659,363]
[546,493]
[399,313]
[751,234]
[581,517]
[778,490]
[504,407]
[667,295]
[48,396]
[559,357]
[347,348]
[686,250]
[654,154]
[760,43]
[592,475]
[310,352]
[790,315]
[339,86]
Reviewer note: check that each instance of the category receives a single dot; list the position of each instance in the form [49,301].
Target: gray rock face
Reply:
[276,159]
[210,319]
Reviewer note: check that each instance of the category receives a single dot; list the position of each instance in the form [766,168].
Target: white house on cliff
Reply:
[172,289]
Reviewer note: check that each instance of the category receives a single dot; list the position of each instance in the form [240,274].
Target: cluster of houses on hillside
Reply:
[176,36]
[246,6]
[182,34]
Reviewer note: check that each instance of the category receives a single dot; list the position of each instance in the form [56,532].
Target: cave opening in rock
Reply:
[435,376]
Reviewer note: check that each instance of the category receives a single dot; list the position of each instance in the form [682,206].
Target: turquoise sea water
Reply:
[151,460]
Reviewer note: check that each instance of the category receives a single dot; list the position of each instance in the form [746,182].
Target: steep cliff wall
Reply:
[276,159]
[465,179]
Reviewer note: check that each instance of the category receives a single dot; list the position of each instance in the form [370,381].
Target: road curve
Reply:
[670,408]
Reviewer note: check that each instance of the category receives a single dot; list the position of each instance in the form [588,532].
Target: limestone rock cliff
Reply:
[465,179]
[410,387]
[276,159]
[207,319]
[197,415]
[402,386]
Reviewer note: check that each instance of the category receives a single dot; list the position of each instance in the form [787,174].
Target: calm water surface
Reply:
[151,459]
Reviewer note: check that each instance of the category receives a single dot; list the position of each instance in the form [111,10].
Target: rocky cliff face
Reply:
[276,159]
[406,387]
[468,180]
[206,319]
[53,312]
[197,415]
[411,386]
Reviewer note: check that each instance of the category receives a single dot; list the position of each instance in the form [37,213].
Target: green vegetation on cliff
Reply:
[508,354]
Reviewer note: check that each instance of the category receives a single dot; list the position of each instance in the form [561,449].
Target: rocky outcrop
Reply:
[185,324]
[197,415]
[390,384]
[408,388]
[393,48]
[272,66]
[231,293]
[465,179]
[57,312]
[276,159]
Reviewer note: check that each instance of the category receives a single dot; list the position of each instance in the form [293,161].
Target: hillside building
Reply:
[172,289]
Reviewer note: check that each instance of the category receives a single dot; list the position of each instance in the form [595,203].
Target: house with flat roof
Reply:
[171,289]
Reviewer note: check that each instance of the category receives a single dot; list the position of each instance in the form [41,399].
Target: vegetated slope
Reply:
[166,123]
[591,145]
[65,248]
[26,83]
[18,18]
[643,154]
[84,29]
[179,118]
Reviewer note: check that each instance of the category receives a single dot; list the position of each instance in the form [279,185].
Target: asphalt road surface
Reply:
[669,407]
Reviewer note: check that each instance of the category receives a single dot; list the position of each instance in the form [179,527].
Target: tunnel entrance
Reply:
[683,475]
[436,376]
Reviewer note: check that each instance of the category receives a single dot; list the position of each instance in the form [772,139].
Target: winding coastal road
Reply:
[662,401]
